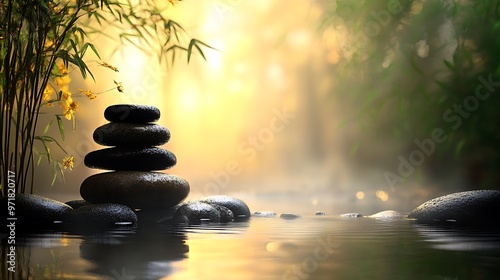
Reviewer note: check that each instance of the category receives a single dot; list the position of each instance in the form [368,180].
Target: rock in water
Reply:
[132,113]
[75,204]
[33,213]
[105,216]
[136,189]
[479,208]
[264,214]
[195,212]
[351,215]
[237,206]
[226,215]
[388,215]
[128,134]
[289,216]
[128,158]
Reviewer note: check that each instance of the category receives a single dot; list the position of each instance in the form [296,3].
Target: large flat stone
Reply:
[136,189]
[129,134]
[480,208]
[33,213]
[132,113]
[106,216]
[129,158]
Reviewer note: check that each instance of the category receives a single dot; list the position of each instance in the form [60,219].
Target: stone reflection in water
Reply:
[453,239]
[145,255]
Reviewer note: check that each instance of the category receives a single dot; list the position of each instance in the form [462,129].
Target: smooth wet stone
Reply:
[102,217]
[319,213]
[153,216]
[75,204]
[132,113]
[351,215]
[195,212]
[128,158]
[129,134]
[226,215]
[479,208]
[289,216]
[136,189]
[264,214]
[33,213]
[388,214]
[237,206]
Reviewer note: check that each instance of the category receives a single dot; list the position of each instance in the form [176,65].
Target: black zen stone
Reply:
[237,206]
[132,113]
[128,134]
[128,158]
[479,208]
[195,212]
[106,216]
[136,189]
[75,204]
[33,213]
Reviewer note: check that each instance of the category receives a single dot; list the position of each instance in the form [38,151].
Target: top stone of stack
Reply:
[132,113]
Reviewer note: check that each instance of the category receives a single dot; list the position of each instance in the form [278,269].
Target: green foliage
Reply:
[40,40]
[410,62]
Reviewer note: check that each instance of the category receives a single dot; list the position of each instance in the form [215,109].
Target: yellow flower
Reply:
[73,106]
[62,80]
[119,86]
[65,95]
[69,162]
[90,95]
[48,44]
[62,69]
[47,95]
[104,64]
[68,105]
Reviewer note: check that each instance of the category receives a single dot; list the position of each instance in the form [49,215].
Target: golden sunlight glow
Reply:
[360,195]
[188,100]
[382,195]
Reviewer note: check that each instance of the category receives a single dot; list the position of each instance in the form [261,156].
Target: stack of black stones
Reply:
[133,192]
[134,160]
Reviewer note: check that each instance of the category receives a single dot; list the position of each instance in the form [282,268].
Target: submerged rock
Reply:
[388,215]
[31,212]
[351,215]
[104,216]
[226,215]
[238,207]
[264,214]
[195,212]
[75,204]
[289,216]
[479,208]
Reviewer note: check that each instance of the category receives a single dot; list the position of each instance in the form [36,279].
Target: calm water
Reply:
[312,247]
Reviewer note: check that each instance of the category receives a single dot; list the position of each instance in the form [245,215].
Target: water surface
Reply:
[311,247]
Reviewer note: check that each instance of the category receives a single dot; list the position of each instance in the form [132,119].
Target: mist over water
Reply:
[263,118]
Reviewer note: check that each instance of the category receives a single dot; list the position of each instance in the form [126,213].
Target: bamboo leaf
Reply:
[60,125]
[94,50]
[54,177]
[47,127]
